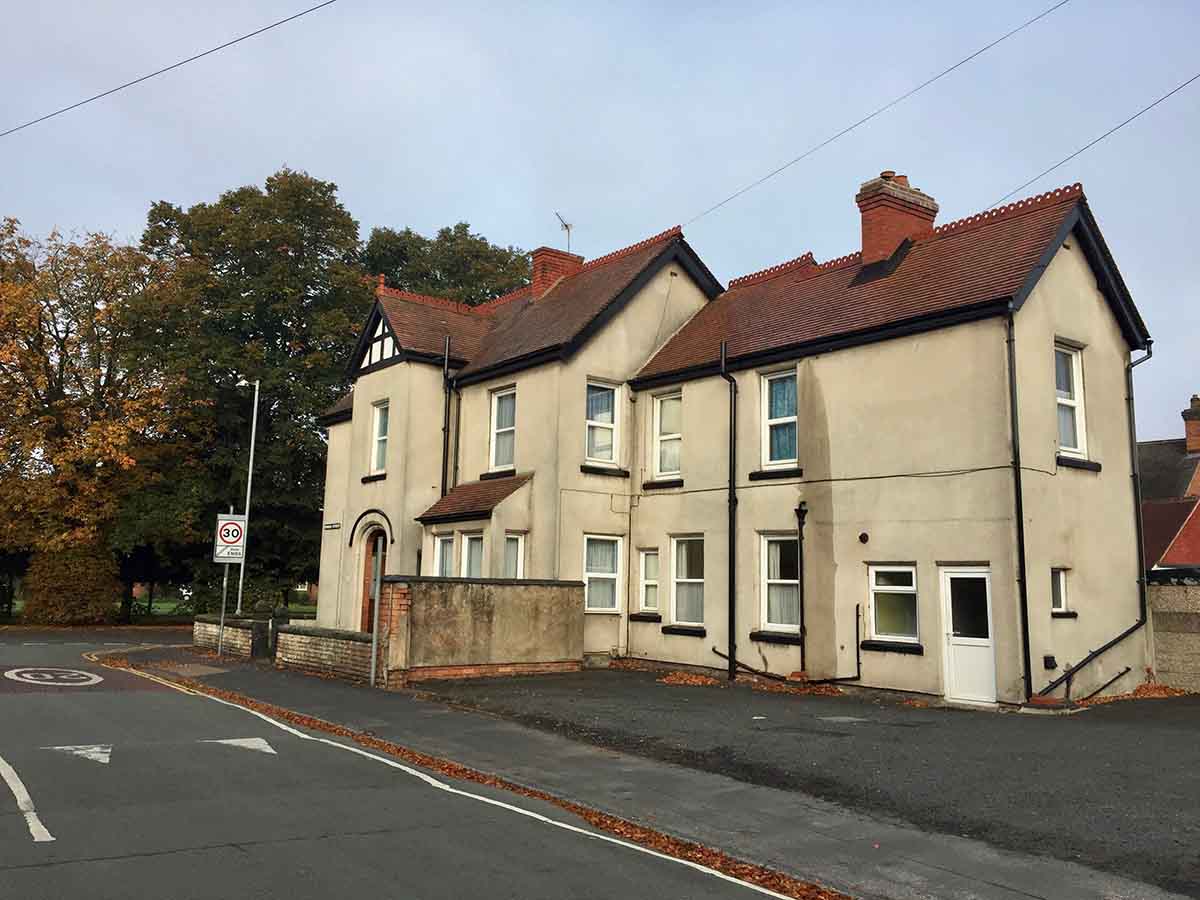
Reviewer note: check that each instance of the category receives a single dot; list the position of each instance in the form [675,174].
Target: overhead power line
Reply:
[182,62]
[867,118]
[1095,141]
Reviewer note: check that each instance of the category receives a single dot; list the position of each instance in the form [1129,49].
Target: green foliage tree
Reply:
[455,264]
[272,281]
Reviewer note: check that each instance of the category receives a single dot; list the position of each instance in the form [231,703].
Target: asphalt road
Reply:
[148,792]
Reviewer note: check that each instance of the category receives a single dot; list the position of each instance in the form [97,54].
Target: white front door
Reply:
[970,653]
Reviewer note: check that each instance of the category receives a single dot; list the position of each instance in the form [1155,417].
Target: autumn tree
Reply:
[82,401]
[456,263]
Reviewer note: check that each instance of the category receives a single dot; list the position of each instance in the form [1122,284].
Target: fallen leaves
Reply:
[807,688]
[689,678]
[1150,690]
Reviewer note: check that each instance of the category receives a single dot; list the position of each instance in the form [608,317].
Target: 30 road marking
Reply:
[24,802]
[50,676]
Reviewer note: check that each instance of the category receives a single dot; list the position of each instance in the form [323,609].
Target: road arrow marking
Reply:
[247,743]
[95,752]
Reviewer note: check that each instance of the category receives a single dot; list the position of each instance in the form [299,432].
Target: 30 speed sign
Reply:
[229,544]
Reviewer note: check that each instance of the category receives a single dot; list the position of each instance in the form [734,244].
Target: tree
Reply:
[455,264]
[83,401]
[271,278]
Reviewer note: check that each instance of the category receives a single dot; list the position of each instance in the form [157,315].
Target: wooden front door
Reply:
[373,561]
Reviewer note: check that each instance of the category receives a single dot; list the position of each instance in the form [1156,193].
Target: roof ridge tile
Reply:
[674,231]
[800,262]
[1016,207]
[840,261]
[441,302]
[488,306]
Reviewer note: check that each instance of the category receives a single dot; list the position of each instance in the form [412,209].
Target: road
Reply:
[135,790]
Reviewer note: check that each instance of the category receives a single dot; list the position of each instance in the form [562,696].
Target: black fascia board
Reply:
[517,364]
[342,415]
[445,519]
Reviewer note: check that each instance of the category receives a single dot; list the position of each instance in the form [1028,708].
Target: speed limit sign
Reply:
[229,544]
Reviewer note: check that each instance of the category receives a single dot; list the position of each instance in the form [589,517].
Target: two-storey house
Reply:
[908,468]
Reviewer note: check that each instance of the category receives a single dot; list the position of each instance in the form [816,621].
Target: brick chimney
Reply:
[892,211]
[1191,425]
[549,265]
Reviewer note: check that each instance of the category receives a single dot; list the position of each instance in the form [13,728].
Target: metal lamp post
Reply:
[249,480]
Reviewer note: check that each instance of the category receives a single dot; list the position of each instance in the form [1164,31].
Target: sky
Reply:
[627,118]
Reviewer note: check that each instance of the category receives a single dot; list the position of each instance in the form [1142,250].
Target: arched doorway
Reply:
[373,566]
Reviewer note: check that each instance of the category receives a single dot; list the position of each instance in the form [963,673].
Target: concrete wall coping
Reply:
[230,621]
[499,582]
[360,637]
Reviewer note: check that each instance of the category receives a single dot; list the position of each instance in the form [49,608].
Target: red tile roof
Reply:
[978,259]
[422,323]
[473,500]
[1171,532]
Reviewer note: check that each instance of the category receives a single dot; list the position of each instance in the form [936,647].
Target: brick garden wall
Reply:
[324,651]
[1175,615]
[239,635]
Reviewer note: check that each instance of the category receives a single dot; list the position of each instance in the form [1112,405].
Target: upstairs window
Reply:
[1068,391]
[1058,590]
[668,434]
[443,556]
[781,583]
[472,556]
[687,588]
[601,423]
[894,603]
[514,556]
[779,419]
[379,430]
[504,428]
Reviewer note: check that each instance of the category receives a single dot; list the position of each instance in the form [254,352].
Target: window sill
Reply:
[894,647]
[662,484]
[597,469]
[1074,462]
[775,637]
[1064,614]
[602,612]
[685,630]
[645,617]
[767,474]
[367,479]
[498,473]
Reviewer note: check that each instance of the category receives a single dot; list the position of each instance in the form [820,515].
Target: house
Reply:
[906,468]
[1170,480]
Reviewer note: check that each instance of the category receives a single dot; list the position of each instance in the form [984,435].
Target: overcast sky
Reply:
[628,118]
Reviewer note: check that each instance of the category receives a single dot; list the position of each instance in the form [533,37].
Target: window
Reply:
[379,428]
[649,578]
[779,419]
[601,566]
[472,557]
[443,555]
[1068,390]
[781,583]
[668,434]
[894,603]
[514,556]
[687,587]
[1058,590]
[504,428]
[381,347]
[601,423]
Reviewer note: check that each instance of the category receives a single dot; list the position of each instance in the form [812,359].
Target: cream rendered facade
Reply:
[905,447]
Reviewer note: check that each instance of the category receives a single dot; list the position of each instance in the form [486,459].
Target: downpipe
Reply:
[801,515]
[1018,498]
[446,388]
[732,526]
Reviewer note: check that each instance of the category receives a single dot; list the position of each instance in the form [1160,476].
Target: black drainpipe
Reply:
[801,515]
[732,528]
[457,429]
[1143,612]
[445,414]
[1018,499]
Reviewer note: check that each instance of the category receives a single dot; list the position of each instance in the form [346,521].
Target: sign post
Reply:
[229,546]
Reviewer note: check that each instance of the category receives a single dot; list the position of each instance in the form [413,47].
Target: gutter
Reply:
[1143,611]
[732,526]
[1018,497]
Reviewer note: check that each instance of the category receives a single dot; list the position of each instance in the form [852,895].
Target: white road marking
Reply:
[841,719]
[95,752]
[258,744]
[52,676]
[35,644]
[24,802]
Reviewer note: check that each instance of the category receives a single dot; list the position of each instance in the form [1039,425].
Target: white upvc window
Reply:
[893,600]
[779,419]
[601,573]
[648,580]
[668,434]
[1058,590]
[443,555]
[780,583]
[379,437]
[1068,393]
[601,439]
[472,556]
[687,580]
[514,555]
[504,428]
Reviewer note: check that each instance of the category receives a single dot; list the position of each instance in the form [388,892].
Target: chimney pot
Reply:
[892,212]
[1191,425]
[549,265]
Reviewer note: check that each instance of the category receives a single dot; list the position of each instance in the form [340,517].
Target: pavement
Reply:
[116,786]
[858,793]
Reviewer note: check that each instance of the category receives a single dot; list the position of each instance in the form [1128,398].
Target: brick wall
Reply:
[1175,617]
[239,636]
[324,651]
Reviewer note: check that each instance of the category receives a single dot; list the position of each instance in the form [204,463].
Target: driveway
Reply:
[1116,787]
